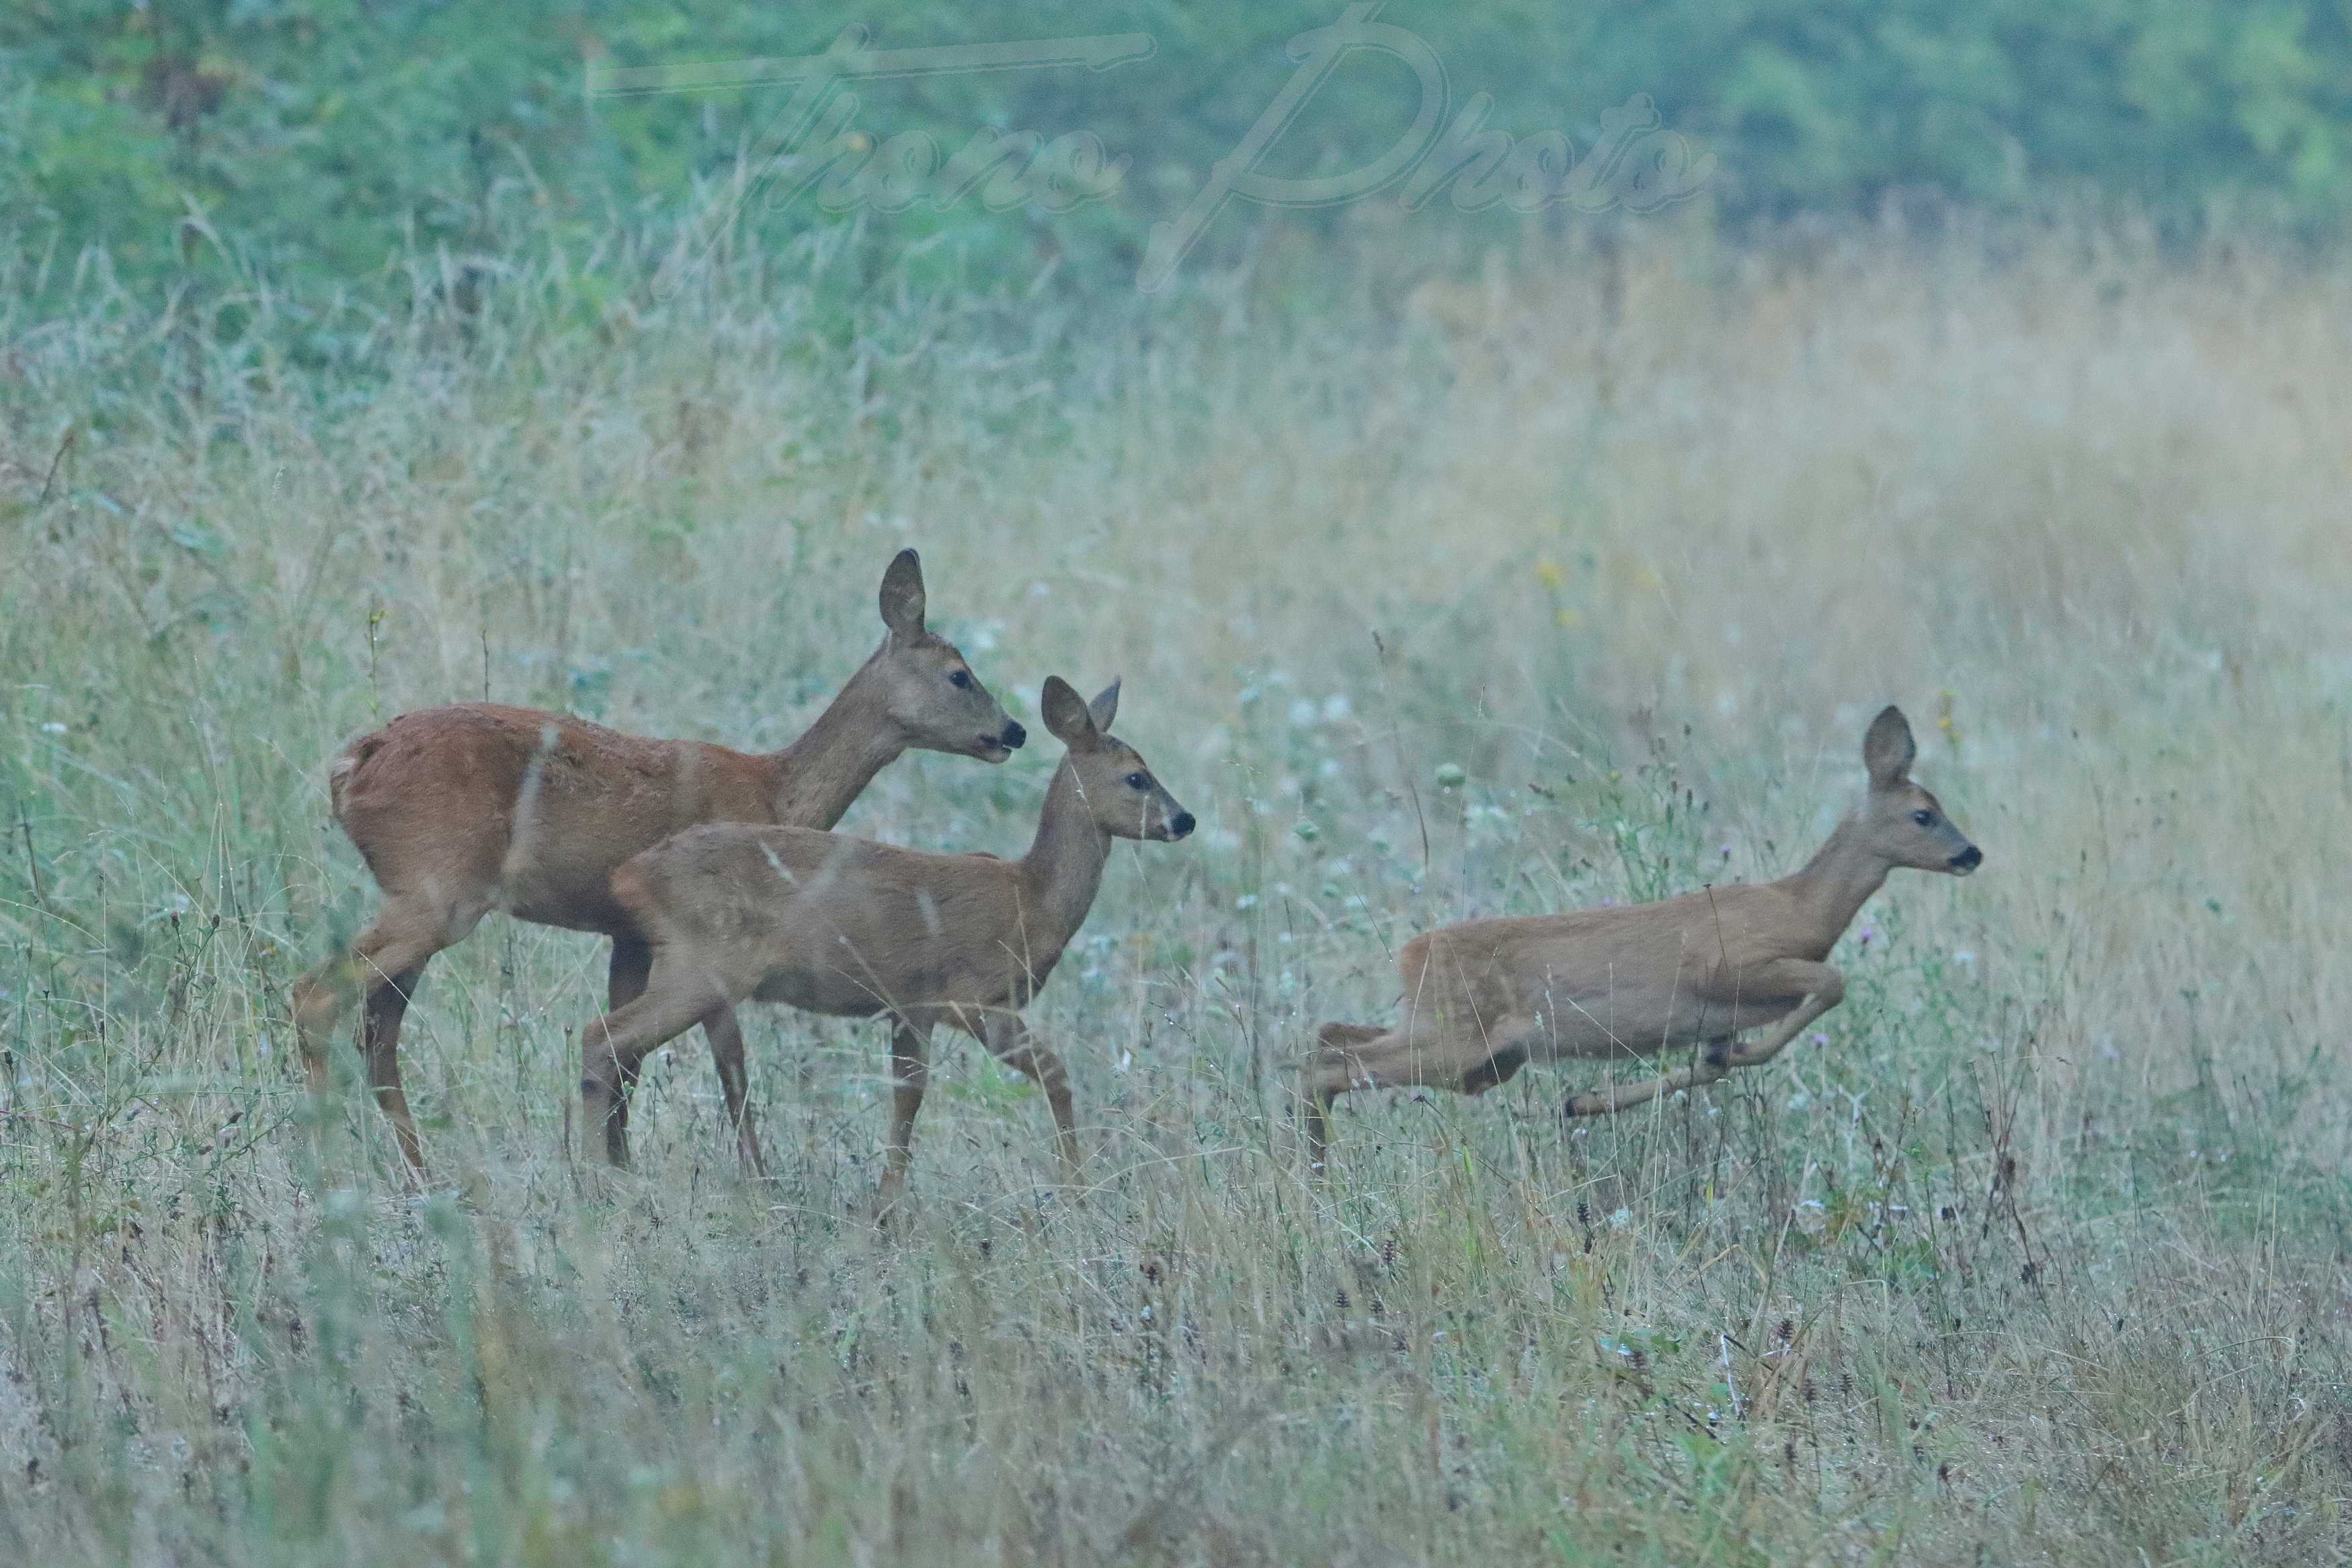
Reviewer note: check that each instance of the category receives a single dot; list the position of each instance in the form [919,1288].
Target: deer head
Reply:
[927,689]
[1111,778]
[1902,823]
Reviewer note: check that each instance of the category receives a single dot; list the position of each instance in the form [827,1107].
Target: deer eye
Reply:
[1139,781]
[960,680]
[1924,818]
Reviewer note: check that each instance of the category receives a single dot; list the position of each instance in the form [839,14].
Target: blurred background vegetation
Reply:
[1457,564]
[314,145]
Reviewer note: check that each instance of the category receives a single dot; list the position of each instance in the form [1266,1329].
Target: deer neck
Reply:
[1838,880]
[818,776]
[1063,870]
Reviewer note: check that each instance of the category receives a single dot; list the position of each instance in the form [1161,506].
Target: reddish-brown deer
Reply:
[848,928]
[459,810]
[1484,998]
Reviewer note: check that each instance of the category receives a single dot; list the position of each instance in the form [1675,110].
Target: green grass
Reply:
[2037,1256]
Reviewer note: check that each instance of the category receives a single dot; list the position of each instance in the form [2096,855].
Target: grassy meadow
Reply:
[1544,580]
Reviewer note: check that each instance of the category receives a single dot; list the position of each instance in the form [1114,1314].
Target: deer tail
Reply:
[352,757]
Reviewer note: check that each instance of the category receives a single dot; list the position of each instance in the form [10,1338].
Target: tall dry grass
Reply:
[2037,1255]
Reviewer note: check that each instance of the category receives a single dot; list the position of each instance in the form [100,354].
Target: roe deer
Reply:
[842,926]
[1484,998]
[458,811]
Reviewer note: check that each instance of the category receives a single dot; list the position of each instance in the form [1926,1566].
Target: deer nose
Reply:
[1968,859]
[1181,826]
[1013,736]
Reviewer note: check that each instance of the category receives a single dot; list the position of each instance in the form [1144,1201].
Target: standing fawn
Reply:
[458,811]
[842,926]
[1484,998]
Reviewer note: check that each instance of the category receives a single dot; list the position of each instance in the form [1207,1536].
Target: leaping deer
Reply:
[458,811]
[1484,998]
[842,926]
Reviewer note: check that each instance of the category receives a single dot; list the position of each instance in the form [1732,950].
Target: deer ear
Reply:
[1889,749]
[902,595]
[1065,714]
[1105,708]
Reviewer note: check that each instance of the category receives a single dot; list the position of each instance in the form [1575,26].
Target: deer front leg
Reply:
[1009,1039]
[1818,988]
[1821,987]
[910,1072]
[1709,1067]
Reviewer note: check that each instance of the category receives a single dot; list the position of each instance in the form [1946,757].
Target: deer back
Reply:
[837,925]
[539,806]
[1611,979]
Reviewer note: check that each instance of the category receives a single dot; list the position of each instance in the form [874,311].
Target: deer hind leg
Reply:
[624,978]
[404,934]
[1327,1072]
[613,1049]
[724,1030]
[1497,1070]
[1012,1043]
[1350,1056]
[320,997]
[632,958]
[380,1044]
[385,963]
